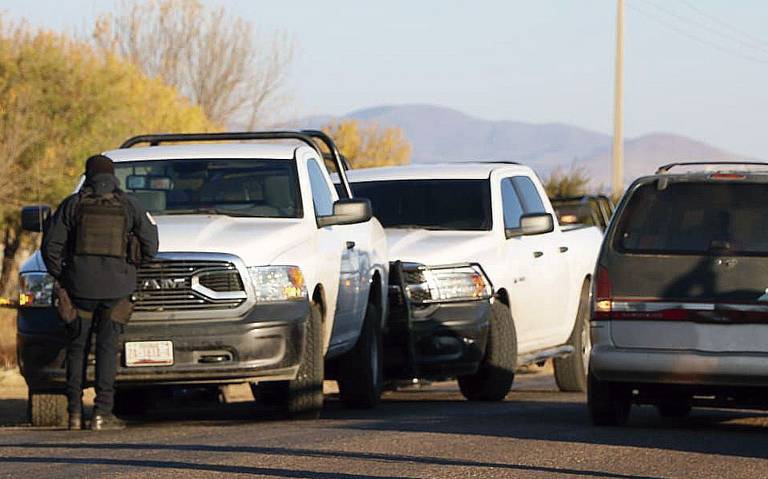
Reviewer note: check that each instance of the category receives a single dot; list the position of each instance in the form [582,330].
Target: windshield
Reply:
[696,218]
[240,187]
[429,204]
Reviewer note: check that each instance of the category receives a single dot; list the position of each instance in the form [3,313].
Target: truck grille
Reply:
[179,285]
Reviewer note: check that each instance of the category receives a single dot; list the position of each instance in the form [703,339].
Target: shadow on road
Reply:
[709,431]
[526,415]
[193,466]
[279,451]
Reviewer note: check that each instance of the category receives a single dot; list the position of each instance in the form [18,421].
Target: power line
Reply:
[707,27]
[673,27]
[727,26]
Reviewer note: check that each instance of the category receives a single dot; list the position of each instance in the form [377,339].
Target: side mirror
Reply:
[536,224]
[348,211]
[35,217]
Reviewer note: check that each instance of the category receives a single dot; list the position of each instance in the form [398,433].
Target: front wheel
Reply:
[301,398]
[571,371]
[361,369]
[496,373]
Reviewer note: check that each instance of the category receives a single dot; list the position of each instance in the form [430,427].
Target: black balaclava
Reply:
[100,174]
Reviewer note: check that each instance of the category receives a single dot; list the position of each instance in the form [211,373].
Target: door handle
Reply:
[350,244]
[563,249]
[538,254]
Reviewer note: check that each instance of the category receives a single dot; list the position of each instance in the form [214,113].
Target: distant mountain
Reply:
[440,134]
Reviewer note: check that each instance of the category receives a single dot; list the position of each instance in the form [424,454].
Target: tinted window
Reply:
[574,213]
[252,187]
[429,204]
[321,193]
[528,194]
[696,218]
[513,210]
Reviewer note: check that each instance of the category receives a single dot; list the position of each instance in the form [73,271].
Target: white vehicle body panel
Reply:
[544,291]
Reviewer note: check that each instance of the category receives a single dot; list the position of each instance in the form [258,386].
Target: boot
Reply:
[75,422]
[106,422]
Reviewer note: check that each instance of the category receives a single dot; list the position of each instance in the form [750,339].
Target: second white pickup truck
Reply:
[497,219]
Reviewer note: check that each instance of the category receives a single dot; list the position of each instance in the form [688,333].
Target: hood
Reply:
[257,241]
[438,247]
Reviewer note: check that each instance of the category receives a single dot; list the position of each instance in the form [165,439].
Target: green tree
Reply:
[366,145]
[61,101]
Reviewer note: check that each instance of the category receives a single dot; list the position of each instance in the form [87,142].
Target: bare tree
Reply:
[572,182]
[213,58]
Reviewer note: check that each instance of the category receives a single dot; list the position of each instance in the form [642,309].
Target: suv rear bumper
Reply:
[265,344]
[609,363]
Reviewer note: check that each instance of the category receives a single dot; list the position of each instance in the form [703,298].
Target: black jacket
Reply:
[95,277]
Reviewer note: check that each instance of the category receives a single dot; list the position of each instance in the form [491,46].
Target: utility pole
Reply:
[617,181]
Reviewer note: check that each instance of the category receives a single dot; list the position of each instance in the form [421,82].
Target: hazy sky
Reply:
[696,67]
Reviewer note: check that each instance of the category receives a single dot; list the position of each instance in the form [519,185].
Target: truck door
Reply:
[550,274]
[341,241]
[521,272]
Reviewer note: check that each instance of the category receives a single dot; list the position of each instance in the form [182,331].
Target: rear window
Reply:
[696,218]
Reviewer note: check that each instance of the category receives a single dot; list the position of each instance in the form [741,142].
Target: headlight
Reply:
[277,283]
[446,283]
[35,289]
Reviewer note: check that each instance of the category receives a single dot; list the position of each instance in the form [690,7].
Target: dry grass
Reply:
[7,338]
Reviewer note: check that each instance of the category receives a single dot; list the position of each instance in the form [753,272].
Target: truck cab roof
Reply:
[475,170]
[277,151]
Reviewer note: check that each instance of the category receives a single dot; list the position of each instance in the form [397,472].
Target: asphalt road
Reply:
[426,433]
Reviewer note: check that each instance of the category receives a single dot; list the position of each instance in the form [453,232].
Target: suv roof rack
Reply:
[665,169]
[305,136]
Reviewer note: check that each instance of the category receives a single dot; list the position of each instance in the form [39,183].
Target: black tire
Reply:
[678,409]
[571,371]
[301,398]
[609,403]
[361,370]
[47,409]
[496,373]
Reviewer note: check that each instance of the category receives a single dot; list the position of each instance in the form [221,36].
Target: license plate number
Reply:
[148,353]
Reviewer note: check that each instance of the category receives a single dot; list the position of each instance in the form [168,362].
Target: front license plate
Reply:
[149,353]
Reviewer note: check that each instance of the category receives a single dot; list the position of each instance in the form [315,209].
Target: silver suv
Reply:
[680,303]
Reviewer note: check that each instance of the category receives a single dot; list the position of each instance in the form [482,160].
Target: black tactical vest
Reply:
[102,226]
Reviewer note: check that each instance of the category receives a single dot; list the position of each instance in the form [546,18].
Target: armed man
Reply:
[92,246]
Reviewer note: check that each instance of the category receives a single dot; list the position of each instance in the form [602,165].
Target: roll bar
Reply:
[305,136]
[665,169]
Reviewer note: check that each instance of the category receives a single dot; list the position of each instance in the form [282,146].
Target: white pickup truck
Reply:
[495,219]
[264,276]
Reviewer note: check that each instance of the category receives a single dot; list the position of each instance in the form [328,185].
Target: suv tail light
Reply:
[601,309]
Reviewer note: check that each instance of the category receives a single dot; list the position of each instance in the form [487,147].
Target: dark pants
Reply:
[107,334]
